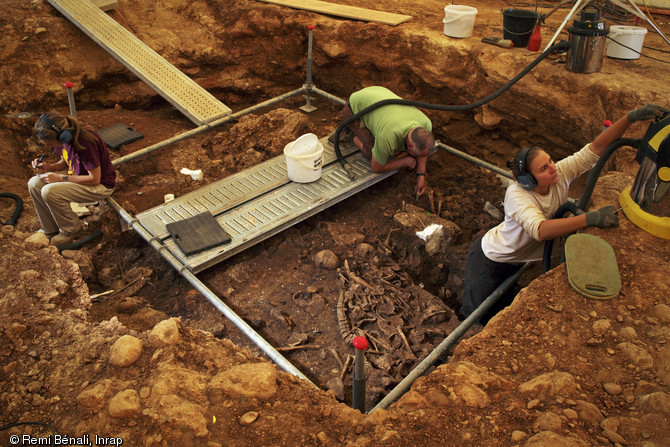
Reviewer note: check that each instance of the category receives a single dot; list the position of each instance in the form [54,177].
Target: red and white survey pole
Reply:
[70,99]
[361,344]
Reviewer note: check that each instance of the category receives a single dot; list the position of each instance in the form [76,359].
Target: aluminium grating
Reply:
[277,210]
[229,192]
[259,202]
[186,95]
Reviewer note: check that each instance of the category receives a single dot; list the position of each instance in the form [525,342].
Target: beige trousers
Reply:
[52,203]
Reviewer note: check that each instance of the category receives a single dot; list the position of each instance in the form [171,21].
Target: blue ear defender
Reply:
[64,136]
[524,177]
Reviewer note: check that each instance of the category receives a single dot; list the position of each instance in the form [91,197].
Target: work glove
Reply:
[602,218]
[648,112]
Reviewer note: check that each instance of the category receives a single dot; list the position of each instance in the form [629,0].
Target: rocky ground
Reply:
[153,363]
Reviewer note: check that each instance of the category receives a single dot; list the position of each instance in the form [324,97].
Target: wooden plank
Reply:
[350,12]
[105,5]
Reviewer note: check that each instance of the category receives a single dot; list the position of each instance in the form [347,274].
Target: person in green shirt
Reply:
[392,136]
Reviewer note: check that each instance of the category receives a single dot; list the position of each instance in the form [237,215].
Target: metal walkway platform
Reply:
[186,95]
[259,202]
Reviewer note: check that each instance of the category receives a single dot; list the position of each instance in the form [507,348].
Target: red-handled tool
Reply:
[505,43]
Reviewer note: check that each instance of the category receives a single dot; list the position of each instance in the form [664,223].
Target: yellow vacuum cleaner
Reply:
[647,202]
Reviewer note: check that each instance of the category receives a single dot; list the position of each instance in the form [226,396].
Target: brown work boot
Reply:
[63,239]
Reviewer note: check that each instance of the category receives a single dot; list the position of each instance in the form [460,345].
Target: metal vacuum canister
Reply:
[587,38]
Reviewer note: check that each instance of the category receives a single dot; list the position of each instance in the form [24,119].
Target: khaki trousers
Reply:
[52,203]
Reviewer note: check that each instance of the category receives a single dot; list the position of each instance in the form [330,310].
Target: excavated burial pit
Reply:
[277,287]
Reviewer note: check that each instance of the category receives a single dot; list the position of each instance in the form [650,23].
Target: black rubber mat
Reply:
[119,134]
[198,233]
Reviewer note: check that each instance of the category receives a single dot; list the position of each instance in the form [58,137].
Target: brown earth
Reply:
[156,364]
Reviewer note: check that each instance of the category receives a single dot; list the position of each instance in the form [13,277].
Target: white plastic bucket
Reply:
[459,20]
[304,159]
[630,36]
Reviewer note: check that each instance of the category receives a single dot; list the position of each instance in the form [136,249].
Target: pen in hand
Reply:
[40,160]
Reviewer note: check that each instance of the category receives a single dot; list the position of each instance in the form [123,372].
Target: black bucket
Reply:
[518,25]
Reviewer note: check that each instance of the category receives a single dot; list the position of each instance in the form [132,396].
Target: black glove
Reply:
[648,112]
[603,218]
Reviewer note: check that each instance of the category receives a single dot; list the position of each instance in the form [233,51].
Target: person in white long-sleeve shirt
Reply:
[530,203]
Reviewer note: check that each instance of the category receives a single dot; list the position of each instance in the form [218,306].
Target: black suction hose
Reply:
[580,207]
[524,72]
[549,245]
[96,234]
[17,211]
[594,173]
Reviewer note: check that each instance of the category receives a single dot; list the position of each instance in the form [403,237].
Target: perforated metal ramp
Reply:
[191,99]
[259,202]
